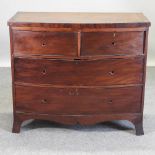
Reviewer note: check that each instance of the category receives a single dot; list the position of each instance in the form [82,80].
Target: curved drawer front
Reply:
[79,73]
[78,100]
[45,43]
[112,43]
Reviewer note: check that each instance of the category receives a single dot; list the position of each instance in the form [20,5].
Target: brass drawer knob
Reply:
[44,101]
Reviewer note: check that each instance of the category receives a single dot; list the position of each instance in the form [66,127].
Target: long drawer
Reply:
[45,43]
[74,101]
[79,72]
[112,43]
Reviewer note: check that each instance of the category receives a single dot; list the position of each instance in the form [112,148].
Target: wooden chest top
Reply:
[79,19]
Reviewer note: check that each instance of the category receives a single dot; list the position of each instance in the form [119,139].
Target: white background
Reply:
[9,7]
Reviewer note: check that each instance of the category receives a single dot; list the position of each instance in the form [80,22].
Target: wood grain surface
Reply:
[78,68]
[65,19]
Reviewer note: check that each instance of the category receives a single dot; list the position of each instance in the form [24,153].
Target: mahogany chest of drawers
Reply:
[81,68]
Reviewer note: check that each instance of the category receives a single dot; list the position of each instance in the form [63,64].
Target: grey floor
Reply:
[42,137]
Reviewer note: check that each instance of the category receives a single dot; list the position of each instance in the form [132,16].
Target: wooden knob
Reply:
[44,101]
[111,73]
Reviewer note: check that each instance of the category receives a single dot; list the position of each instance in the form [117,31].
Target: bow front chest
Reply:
[80,68]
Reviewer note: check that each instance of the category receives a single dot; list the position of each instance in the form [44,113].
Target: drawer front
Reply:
[79,73]
[111,43]
[78,100]
[47,43]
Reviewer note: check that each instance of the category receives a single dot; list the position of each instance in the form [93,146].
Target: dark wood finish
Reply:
[75,119]
[77,72]
[51,100]
[78,68]
[112,43]
[47,43]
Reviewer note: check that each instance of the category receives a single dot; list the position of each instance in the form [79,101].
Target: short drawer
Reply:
[78,100]
[45,43]
[112,43]
[79,72]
